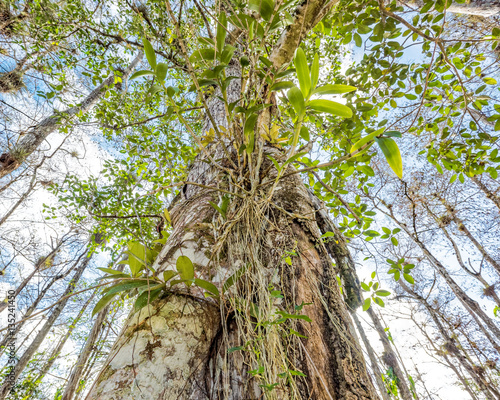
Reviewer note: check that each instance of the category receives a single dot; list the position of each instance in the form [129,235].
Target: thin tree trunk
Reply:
[337,247]
[21,199]
[390,357]
[78,368]
[471,305]
[62,341]
[490,392]
[458,255]
[77,371]
[462,228]
[32,139]
[482,8]
[3,304]
[373,359]
[487,191]
[37,341]
[35,303]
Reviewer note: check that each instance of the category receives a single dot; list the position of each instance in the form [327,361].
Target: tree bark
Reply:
[32,139]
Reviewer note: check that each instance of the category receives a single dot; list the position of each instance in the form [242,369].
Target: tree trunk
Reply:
[281,330]
[30,141]
[37,341]
[34,305]
[62,341]
[390,358]
[487,191]
[373,359]
[77,371]
[188,335]
[482,8]
[470,304]
[453,349]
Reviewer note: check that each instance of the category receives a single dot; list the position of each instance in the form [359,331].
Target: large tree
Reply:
[249,289]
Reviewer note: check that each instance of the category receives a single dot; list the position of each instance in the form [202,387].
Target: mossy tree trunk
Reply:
[178,347]
[282,330]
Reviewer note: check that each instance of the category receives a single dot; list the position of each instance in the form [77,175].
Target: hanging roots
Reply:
[266,347]
[11,82]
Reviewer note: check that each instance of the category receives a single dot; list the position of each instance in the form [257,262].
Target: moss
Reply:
[11,82]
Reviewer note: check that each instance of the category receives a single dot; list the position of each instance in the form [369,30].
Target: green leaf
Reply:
[294,316]
[382,293]
[105,300]
[218,209]
[221,32]
[409,278]
[300,62]
[358,40]
[161,71]
[281,85]
[304,133]
[138,74]
[330,107]
[168,274]
[365,287]
[379,301]
[208,286]
[202,54]
[264,7]
[110,271]
[392,154]
[116,276]
[237,348]
[249,132]
[125,286]
[227,54]
[367,303]
[292,332]
[185,268]
[150,53]
[334,89]
[146,298]
[296,98]
[315,71]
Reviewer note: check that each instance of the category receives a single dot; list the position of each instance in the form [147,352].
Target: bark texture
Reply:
[185,331]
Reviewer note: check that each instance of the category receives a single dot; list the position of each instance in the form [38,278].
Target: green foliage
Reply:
[372,289]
